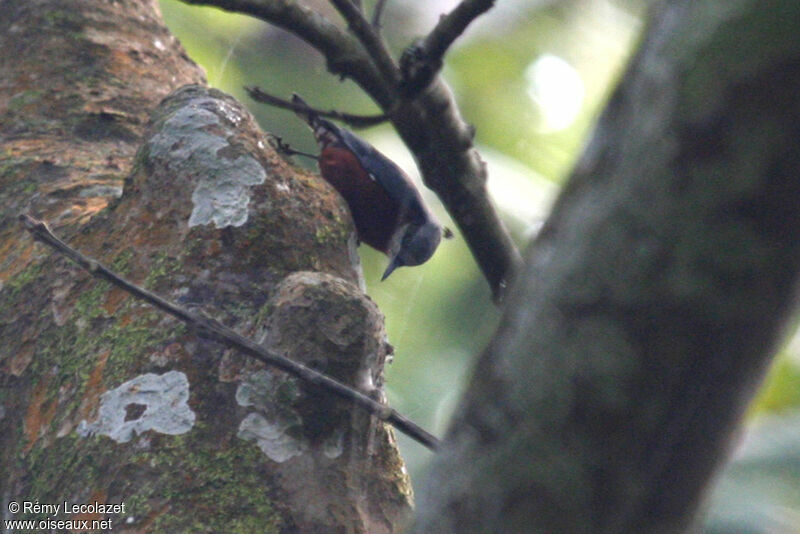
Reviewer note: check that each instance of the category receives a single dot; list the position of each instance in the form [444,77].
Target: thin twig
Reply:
[215,331]
[422,60]
[373,43]
[452,25]
[356,121]
[377,13]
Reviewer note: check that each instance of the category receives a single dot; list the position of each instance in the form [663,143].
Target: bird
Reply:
[387,208]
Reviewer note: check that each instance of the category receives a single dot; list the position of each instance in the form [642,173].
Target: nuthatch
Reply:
[387,209]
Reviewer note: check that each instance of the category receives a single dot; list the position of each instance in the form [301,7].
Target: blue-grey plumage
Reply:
[391,218]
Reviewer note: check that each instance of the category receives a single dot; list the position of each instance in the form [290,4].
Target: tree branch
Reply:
[369,38]
[345,56]
[377,14]
[356,121]
[452,25]
[423,60]
[442,143]
[215,331]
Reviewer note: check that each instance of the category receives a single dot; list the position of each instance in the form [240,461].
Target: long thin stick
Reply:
[356,121]
[211,329]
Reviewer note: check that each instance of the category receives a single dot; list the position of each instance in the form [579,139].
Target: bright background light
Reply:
[557,89]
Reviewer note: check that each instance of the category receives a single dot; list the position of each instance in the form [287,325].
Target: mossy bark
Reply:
[104,399]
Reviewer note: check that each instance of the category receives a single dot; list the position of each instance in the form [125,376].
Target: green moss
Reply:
[64,349]
[21,281]
[137,504]
[71,350]
[24,99]
[263,313]
[122,262]
[64,19]
[335,231]
[89,303]
[54,462]
[162,267]
[199,473]
[205,482]
[130,343]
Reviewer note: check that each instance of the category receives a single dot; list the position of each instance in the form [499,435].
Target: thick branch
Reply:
[450,165]
[216,331]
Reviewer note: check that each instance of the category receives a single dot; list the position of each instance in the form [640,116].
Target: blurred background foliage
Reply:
[532,76]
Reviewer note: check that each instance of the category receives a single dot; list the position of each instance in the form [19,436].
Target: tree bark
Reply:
[652,300]
[103,399]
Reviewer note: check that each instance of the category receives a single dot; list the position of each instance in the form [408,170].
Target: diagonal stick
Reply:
[216,331]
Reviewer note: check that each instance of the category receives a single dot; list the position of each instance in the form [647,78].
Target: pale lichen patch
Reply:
[147,402]
[271,425]
[271,437]
[194,139]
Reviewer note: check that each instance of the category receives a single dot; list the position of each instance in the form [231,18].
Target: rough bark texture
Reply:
[653,299]
[103,399]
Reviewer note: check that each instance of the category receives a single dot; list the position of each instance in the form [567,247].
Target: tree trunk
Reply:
[103,399]
[652,300]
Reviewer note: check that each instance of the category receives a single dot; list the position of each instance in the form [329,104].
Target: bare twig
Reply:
[452,25]
[377,14]
[356,121]
[369,38]
[422,60]
[213,330]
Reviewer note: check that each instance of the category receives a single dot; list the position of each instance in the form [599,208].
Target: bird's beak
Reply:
[390,268]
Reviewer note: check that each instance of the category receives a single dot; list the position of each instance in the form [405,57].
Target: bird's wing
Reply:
[384,171]
[394,181]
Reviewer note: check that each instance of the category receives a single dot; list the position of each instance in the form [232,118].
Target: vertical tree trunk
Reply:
[653,299]
[103,399]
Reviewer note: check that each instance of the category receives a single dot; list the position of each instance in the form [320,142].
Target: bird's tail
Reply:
[324,131]
[304,111]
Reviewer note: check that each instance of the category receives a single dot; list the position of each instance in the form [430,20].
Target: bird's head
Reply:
[413,244]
